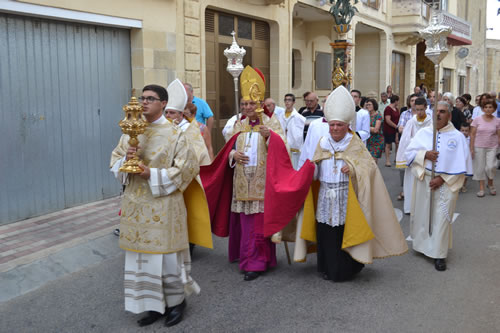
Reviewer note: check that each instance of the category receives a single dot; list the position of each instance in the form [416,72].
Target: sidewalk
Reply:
[29,240]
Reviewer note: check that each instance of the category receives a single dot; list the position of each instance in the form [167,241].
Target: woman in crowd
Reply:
[478,109]
[390,125]
[461,105]
[484,141]
[375,143]
[388,90]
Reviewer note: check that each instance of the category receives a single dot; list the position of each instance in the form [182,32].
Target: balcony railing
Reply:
[406,8]
[462,30]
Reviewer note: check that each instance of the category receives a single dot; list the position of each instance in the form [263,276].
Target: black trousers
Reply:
[337,264]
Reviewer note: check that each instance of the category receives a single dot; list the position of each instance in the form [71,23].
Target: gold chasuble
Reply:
[371,226]
[197,143]
[161,225]
[250,181]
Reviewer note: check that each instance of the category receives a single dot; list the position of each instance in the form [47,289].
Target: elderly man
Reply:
[362,117]
[452,163]
[204,114]
[355,220]
[311,111]
[457,116]
[384,102]
[292,124]
[153,222]
[420,120]
[271,106]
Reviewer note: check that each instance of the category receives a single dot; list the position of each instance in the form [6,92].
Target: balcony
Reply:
[462,30]
[408,17]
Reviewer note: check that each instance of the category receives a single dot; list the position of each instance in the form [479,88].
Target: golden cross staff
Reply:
[234,55]
[435,39]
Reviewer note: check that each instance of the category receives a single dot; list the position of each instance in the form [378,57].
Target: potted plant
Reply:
[421,73]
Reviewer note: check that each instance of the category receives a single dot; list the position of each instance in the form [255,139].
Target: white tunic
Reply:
[332,197]
[453,163]
[317,129]
[293,126]
[363,124]
[227,131]
[410,129]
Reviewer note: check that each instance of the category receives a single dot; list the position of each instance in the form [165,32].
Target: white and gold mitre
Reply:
[340,106]
[177,96]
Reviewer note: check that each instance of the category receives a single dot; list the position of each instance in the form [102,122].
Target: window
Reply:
[296,68]
[443,4]
[461,85]
[372,3]
[398,76]
[244,28]
[226,25]
[446,80]
[323,70]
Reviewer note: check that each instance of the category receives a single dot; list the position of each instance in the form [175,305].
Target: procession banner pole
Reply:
[435,36]
[234,55]
[434,135]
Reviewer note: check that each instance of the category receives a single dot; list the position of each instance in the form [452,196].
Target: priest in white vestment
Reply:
[174,111]
[452,164]
[153,221]
[362,122]
[292,124]
[420,120]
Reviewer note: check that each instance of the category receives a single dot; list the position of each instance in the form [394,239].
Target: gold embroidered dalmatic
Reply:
[157,224]
[197,143]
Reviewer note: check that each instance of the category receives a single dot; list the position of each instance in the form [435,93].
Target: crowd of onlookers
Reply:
[480,124]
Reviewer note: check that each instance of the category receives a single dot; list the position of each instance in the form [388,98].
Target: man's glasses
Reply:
[310,100]
[288,100]
[150,99]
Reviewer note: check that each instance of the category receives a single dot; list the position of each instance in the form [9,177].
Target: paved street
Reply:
[399,294]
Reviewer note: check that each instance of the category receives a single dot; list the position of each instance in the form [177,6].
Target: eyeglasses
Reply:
[288,100]
[310,100]
[150,99]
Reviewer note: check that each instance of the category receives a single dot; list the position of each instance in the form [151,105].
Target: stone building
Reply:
[493,65]
[85,56]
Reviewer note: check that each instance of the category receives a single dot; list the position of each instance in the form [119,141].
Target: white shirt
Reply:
[476,112]
[293,126]
[228,128]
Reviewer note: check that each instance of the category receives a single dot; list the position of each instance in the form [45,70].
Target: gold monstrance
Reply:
[133,125]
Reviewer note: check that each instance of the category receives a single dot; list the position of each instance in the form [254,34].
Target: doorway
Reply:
[251,34]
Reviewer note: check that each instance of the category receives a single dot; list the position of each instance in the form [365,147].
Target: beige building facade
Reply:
[493,65]
[288,40]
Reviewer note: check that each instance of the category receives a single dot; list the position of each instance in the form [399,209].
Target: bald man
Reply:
[311,111]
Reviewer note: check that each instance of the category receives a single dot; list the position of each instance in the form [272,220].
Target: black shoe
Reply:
[440,264]
[116,232]
[175,314]
[249,276]
[150,318]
